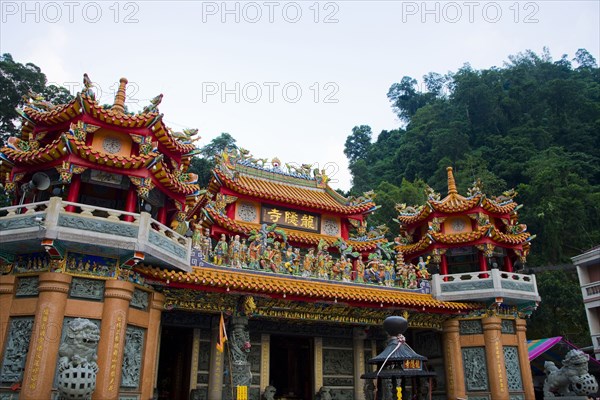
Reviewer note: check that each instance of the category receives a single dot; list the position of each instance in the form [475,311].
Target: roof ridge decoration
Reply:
[232,157]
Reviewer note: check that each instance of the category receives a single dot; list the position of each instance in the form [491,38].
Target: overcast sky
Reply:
[287,79]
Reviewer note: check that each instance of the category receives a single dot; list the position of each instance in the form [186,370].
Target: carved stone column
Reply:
[152,345]
[494,353]
[194,361]
[524,358]
[7,289]
[265,362]
[45,338]
[215,377]
[318,354]
[239,346]
[117,295]
[453,360]
[358,336]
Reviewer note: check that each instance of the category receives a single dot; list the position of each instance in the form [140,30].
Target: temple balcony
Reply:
[494,285]
[59,226]
[591,292]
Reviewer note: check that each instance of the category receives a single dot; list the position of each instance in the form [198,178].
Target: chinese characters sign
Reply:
[290,218]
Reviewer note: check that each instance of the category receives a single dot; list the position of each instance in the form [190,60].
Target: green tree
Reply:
[561,312]
[358,143]
[203,166]
[16,80]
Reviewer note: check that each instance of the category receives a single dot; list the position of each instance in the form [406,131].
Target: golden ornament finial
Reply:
[451,182]
[119,104]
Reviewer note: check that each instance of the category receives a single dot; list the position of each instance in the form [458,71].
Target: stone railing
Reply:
[80,225]
[511,287]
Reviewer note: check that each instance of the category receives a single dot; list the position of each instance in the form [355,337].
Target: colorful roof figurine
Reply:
[457,221]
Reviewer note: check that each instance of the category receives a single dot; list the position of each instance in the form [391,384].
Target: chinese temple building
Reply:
[121,278]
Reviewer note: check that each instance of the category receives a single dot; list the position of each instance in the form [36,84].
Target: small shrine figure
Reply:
[276,258]
[320,263]
[206,245]
[389,274]
[235,251]
[244,254]
[288,260]
[422,271]
[265,258]
[254,253]
[324,268]
[297,258]
[372,270]
[220,250]
[308,264]
[336,271]
[360,271]
[197,236]
[347,270]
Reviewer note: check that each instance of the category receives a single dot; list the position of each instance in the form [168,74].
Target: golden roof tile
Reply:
[212,279]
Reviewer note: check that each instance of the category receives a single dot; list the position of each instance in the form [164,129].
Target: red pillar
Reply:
[162,215]
[508,264]
[444,265]
[482,262]
[130,203]
[73,195]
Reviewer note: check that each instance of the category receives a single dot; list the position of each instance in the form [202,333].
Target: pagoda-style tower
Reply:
[103,162]
[476,241]
[95,190]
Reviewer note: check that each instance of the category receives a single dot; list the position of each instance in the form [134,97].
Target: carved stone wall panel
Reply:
[338,362]
[337,381]
[204,356]
[517,397]
[475,366]
[508,327]
[167,244]
[15,352]
[132,357]
[27,286]
[342,394]
[513,368]
[337,342]
[98,225]
[428,344]
[254,359]
[471,327]
[200,393]
[87,288]
[139,299]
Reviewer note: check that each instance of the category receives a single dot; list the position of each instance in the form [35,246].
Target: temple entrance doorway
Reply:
[291,367]
[174,363]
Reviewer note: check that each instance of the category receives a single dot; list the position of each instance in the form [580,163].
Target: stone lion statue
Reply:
[572,379]
[324,393]
[269,393]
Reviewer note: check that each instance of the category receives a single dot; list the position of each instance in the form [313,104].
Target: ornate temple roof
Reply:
[477,206]
[456,203]
[273,285]
[299,186]
[69,124]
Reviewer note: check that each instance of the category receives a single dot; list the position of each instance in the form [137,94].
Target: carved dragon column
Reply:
[152,345]
[117,295]
[453,357]
[7,289]
[45,337]
[524,358]
[494,352]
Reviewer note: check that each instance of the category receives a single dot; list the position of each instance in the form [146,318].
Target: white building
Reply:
[588,270]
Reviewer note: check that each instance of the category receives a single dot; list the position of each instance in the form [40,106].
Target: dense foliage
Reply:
[16,80]
[533,125]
